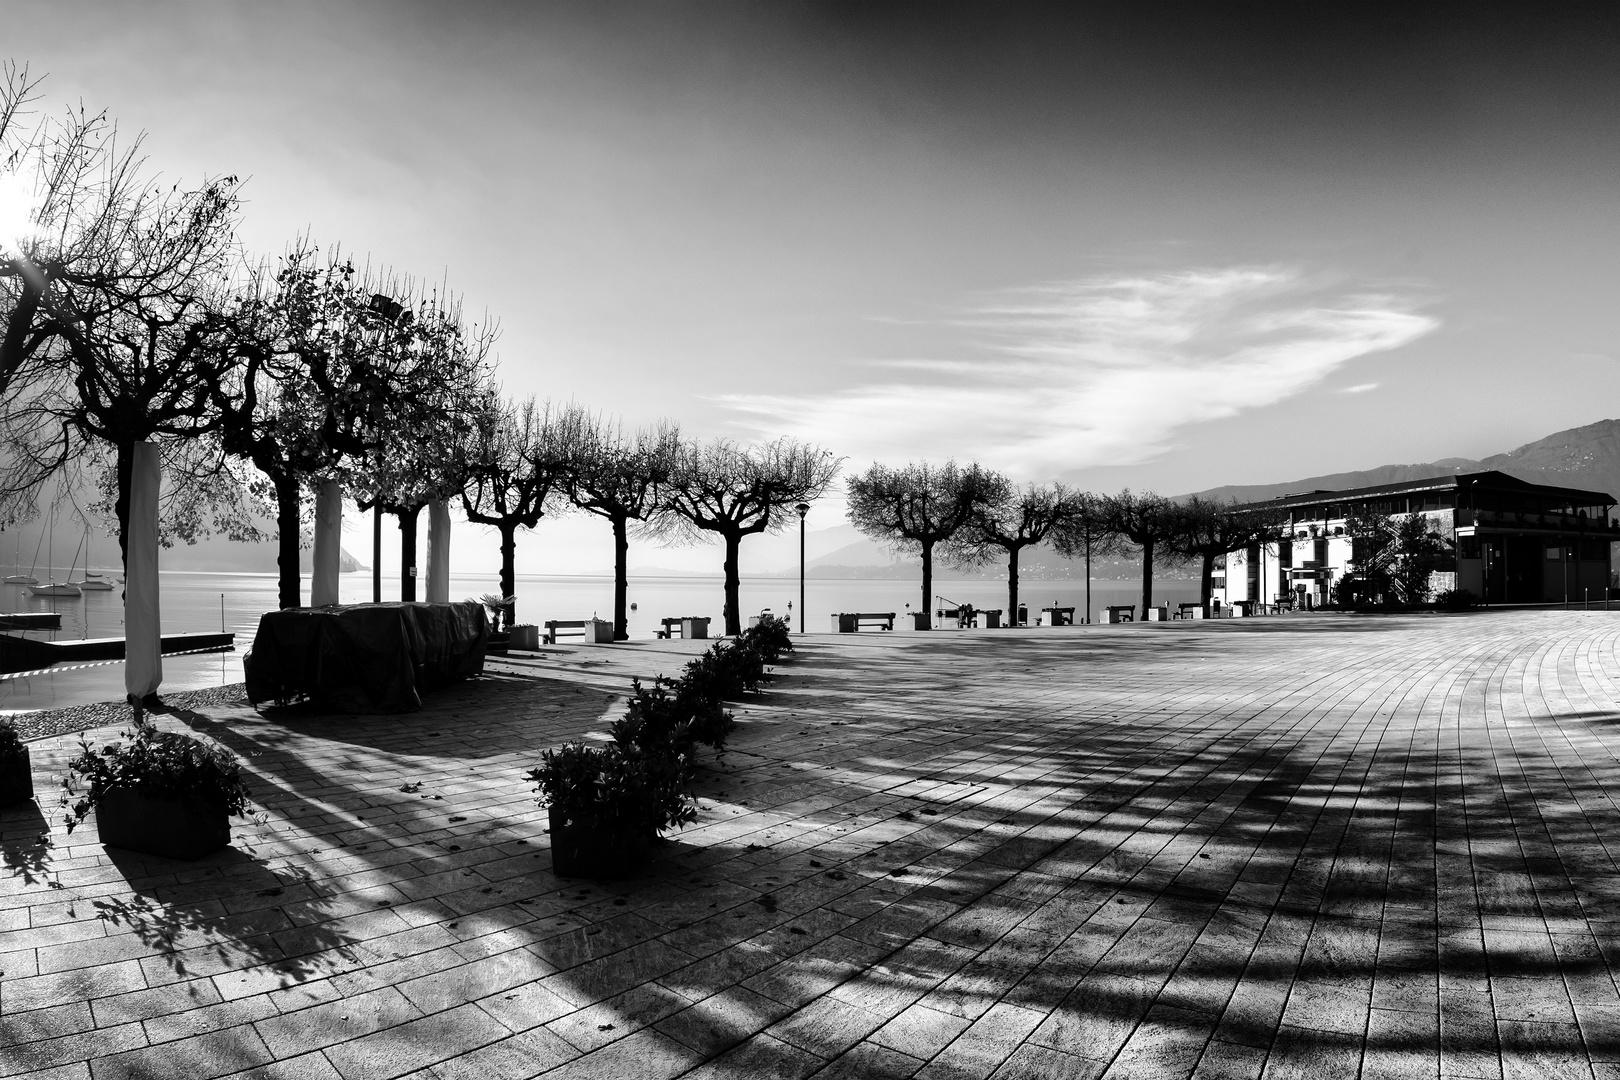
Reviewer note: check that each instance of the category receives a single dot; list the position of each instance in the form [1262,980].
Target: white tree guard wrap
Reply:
[323,588]
[438,568]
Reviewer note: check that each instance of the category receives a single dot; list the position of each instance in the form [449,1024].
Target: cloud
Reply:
[1070,375]
[1359,388]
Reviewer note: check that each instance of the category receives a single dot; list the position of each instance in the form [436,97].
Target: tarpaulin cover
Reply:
[364,658]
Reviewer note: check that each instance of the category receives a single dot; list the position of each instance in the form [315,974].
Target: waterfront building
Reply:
[1508,540]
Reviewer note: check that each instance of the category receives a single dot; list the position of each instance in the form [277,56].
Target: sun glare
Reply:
[17,208]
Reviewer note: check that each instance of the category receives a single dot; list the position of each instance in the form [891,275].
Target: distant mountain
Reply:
[1584,457]
[214,554]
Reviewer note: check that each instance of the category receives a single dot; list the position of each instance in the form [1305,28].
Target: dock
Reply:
[34,653]
[31,620]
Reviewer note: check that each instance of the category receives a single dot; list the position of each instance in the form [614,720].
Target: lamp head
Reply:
[803,509]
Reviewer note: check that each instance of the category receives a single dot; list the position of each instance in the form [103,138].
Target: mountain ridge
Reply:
[1586,457]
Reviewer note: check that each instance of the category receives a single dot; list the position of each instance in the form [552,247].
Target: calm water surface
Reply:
[234,603]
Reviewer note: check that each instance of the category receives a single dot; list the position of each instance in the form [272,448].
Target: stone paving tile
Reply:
[1260,848]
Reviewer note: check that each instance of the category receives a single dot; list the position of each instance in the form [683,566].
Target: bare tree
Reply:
[735,492]
[1085,532]
[1007,520]
[916,507]
[104,298]
[1207,530]
[511,471]
[1146,520]
[432,372]
[623,478]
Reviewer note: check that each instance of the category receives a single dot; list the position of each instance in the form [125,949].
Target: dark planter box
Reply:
[173,828]
[589,849]
[16,780]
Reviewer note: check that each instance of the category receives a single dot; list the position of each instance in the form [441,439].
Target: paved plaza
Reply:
[1297,846]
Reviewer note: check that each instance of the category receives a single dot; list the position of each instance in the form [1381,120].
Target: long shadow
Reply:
[935,875]
[25,844]
[195,931]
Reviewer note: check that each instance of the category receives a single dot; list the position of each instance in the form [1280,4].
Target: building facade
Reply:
[1511,542]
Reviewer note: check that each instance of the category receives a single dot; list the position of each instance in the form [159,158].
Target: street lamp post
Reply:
[803,509]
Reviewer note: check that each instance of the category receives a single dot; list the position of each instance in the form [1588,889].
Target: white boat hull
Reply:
[22,579]
[92,583]
[55,589]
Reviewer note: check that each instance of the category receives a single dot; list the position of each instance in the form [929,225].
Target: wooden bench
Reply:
[674,627]
[1118,613]
[1058,616]
[1189,611]
[850,622]
[588,629]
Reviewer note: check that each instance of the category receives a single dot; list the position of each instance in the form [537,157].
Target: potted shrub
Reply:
[16,773]
[161,793]
[606,804]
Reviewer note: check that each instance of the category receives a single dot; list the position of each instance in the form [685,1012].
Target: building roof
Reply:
[1489,479]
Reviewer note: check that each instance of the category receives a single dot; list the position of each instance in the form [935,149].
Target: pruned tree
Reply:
[106,296]
[511,472]
[1146,520]
[1007,520]
[431,371]
[719,487]
[302,396]
[1085,532]
[618,476]
[916,507]
[1207,529]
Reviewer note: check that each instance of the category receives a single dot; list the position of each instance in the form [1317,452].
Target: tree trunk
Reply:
[126,472]
[621,577]
[1206,585]
[733,586]
[289,583]
[407,552]
[928,580]
[1012,587]
[509,572]
[1147,578]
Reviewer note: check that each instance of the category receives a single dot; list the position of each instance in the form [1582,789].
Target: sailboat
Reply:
[57,588]
[91,579]
[28,578]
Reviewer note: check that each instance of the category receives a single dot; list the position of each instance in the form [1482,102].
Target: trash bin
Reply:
[992,620]
[598,631]
[919,620]
[694,628]
[1023,615]
[524,636]
[845,624]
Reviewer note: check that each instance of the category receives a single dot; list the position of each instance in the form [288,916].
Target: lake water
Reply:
[234,602]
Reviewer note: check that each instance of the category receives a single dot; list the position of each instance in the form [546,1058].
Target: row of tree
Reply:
[131,315]
[970,515]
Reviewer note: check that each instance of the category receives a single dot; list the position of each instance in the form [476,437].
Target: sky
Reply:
[1159,246]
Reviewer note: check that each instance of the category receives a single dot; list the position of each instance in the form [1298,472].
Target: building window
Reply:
[1554,553]
[1285,554]
[1321,554]
[1468,547]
